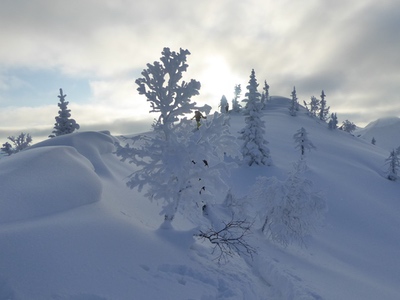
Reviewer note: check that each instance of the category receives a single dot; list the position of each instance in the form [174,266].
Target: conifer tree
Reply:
[265,95]
[323,110]
[373,141]
[235,101]
[302,142]
[223,105]
[254,149]
[312,107]
[332,124]
[64,124]
[394,164]
[294,104]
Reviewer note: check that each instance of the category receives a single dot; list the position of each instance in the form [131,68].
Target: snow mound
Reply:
[90,144]
[45,180]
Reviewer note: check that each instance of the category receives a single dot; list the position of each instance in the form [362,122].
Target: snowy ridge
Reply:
[386,132]
[70,229]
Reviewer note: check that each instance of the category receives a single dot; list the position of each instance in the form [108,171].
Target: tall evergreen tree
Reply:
[265,95]
[323,110]
[394,164]
[294,104]
[64,124]
[254,149]
[235,101]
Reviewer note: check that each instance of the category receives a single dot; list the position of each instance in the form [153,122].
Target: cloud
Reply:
[348,48]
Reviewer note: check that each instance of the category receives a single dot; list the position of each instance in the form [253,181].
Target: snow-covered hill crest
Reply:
[70,229]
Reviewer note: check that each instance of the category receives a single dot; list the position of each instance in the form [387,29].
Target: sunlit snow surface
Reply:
[70,229]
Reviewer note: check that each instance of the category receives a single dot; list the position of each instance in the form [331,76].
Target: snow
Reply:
[70,229]
[386,132]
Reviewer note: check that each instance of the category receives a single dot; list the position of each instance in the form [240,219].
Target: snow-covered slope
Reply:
[71,230]
[386,132]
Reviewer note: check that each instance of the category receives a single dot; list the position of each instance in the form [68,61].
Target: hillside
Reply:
[70,229]
[386,132]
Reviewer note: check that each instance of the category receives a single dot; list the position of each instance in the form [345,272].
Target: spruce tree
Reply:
[265,95]
[235,101]
[302,142]
[64,124]
[254,149]
[332,124]
[294,104]
[394,164]
[323,110]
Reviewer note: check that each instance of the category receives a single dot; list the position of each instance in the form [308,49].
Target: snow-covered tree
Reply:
[254,148]
[394,163]
[235,101]
[312,107]
[19,143]
[348,126]
[323,109]
[294,104]
[223,105]
[332,124]
[302,142]
[373,141]
[179,166]
[64,124]
[265,95]
[290,209]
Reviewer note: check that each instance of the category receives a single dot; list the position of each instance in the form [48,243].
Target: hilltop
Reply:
[70,229]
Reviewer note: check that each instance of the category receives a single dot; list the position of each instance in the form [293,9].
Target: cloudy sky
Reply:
[95,49]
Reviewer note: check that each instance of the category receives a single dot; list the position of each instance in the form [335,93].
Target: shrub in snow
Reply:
[254,148]
[291,209]
[394,163]
[64,124]
[19,143]
[229,239]
[179,165]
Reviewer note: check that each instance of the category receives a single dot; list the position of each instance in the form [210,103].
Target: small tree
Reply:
[294,104]
[291,208]
[394,163]
[254,148]
[265,95]
[19,143]
[64,125]
[348,126]
[180,166]
[373,141]
[332,124]
[312,107]
[323,109]
[302,142]
[223,105]
[235,101]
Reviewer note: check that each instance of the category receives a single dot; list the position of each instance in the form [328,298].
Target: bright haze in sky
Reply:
[95,50]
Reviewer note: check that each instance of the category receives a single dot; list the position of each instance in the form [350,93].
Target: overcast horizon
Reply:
[95,50]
